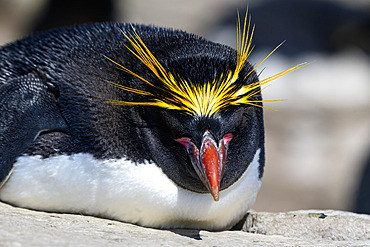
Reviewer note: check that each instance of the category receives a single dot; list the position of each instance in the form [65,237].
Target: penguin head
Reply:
[202,106]
[212,150]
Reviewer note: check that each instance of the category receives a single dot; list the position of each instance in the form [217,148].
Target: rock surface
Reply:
[22,227]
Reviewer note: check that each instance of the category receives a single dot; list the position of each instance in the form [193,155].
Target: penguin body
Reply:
[64,148]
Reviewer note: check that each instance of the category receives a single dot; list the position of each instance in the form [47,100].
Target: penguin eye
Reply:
[173,123]
[236,120]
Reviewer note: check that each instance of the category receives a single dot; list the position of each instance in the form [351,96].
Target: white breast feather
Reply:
[118,189]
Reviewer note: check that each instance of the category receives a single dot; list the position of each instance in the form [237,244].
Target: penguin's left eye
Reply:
[234,121]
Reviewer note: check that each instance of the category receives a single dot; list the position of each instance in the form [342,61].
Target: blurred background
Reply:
[318,143]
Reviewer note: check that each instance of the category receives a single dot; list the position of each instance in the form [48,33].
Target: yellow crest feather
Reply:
[195,99]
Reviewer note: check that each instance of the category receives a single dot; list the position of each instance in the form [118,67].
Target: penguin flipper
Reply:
[28,106]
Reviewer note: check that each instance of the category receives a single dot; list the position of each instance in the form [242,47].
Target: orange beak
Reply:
[209,161]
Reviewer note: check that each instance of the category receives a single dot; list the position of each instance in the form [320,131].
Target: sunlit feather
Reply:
[196,98]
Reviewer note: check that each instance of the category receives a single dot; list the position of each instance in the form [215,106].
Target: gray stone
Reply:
[23,227]
[311,224]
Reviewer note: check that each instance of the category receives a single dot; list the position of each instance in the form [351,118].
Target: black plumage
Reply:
[71,67]
[132,122]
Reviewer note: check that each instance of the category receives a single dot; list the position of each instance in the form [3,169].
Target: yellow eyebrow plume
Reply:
[200,99]
[243,44]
